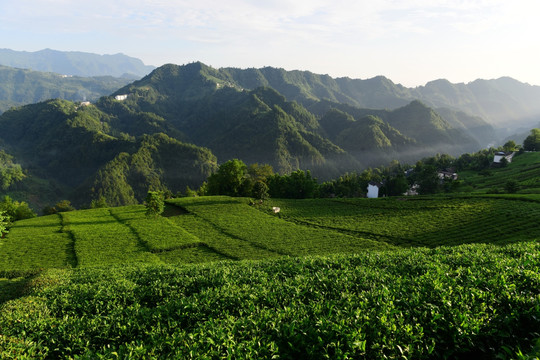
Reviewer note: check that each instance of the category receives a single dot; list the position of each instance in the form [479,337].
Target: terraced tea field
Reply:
[200,230]
[423,221]
[195,230]
[524,169]
[334,278]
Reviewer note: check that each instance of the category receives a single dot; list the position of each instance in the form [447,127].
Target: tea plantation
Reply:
[410,277]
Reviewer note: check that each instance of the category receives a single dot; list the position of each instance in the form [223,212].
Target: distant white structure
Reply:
[445,174]
[413,190]
[121,97]
[373,190]
[276,209]
[85,103]
[503,155]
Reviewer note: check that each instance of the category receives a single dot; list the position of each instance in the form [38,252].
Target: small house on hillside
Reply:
[373,189]
[121,97]
[447,174]
[413,190]
[503,155]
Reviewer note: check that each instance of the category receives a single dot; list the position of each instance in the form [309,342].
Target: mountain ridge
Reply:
[76,63]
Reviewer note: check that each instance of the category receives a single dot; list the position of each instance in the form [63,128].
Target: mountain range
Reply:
[171,128]
[76,63]
[22,86]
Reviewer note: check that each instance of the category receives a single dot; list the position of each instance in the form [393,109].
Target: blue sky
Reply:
[410,41]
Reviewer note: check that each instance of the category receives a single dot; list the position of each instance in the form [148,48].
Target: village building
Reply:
[498,158]
[373,190]
[447,174]
[121,97]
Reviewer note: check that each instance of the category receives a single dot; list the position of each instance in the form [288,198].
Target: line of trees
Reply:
[235,178]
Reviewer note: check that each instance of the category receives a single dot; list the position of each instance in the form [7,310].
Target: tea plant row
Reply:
[471,301]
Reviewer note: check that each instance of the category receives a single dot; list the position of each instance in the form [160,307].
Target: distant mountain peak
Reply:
[75,62]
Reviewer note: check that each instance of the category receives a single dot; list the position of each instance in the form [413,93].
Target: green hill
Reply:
[81,149]
[20,87]
[118,282]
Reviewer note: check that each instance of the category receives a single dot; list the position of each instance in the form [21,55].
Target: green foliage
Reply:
[3,223]
[61,206]
[10,172]
[154,203]
[476,301]
[510,145]
[16,210]
[297,185]
[532,142]
[100,203]
[260,190]
[229,179]
[511,186]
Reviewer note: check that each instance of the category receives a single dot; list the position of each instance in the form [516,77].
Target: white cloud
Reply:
[341,36]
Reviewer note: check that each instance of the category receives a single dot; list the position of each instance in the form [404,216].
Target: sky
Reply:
[409,41]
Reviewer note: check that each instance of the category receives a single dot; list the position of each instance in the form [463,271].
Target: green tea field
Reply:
[446,277]
[195,230]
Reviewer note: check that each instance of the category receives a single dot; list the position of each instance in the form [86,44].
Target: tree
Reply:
[297,185]
[61,206]
[3,223]
[229,179]
[16,210]
[396,185]
[155,203]
[510,145]
[99,203]
[532,142]
[511,186]
[260,190]
[64,206]
[10,172]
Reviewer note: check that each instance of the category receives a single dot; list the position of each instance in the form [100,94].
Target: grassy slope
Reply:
[524,169]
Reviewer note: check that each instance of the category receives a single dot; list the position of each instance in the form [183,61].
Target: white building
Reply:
[121,97]
[373,190]
[503,155]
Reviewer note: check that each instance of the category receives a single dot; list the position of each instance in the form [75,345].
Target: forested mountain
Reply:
[21,87]
[75,148]
[173,126]
[76,63]
[503,102]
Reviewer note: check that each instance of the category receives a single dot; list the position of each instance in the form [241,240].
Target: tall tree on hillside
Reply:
[155,203]
[229,179]
[532,142]
[9,171]
[510,145]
